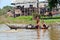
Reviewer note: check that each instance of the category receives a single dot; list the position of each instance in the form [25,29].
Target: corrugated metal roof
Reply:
[23,1]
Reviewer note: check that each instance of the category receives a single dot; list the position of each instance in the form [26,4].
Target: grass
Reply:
[25,20]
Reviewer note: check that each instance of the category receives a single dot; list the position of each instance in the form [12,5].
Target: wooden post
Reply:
[38,9]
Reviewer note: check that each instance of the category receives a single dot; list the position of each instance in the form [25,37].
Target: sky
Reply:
[7,2]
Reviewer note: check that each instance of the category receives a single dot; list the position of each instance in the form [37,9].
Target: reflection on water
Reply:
[33,34]
[43,34]
[55,34]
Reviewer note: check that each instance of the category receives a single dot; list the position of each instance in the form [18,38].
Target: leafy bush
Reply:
[5,9]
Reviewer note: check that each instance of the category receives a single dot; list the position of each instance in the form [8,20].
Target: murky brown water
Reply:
[27,34]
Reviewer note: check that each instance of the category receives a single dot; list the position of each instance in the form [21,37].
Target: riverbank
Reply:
[25,20]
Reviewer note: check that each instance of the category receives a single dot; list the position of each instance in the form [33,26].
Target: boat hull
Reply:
[14,27]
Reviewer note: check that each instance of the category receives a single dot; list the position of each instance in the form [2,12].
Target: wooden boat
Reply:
[13,27]
[27,27]
[45,27]
[34,27]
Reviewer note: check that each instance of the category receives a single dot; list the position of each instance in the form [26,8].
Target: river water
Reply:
[29,34]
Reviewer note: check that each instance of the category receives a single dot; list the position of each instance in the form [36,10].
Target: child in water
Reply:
[38,23]
[43,24]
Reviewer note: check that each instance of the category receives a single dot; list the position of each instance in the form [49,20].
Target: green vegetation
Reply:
[5,9]
[25,20]
[52,4]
